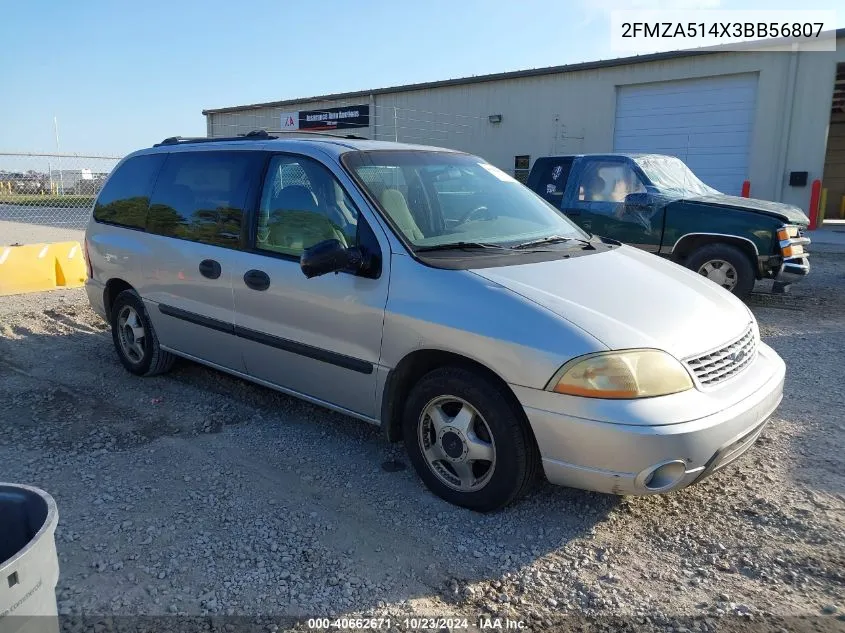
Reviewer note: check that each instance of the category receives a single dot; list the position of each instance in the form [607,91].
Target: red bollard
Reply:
[813,211]
[746,188]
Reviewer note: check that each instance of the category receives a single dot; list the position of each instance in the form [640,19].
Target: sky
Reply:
[118,75]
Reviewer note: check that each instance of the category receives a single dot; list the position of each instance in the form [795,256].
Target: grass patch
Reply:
[37,200]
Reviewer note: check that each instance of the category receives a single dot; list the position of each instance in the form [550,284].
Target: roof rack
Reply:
[258,135]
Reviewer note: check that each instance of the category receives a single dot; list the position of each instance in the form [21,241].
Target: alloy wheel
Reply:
[457,443]
[721,272]
[131,334]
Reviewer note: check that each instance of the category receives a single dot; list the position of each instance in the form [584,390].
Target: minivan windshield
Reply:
[671,175]
[437,199]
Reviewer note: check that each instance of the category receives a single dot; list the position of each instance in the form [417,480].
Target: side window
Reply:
[608,181]
[200,196]
[302,204]
[551,179]
[125,199]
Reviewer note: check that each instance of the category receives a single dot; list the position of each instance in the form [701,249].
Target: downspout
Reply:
[789,98]
[373,120]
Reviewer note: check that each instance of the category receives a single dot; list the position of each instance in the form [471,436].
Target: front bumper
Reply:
[637,447]
[796,264]
[793,270]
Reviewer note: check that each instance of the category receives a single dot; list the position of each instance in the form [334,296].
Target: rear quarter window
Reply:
[125,199]
[202,196]
[548,179]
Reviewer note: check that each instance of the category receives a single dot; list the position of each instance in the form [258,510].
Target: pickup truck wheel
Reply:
[725,265]
[466,441]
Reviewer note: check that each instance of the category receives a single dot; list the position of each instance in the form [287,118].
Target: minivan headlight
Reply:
[622,375]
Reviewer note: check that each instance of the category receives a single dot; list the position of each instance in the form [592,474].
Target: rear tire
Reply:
[725,265]
[467,442]
[135,339]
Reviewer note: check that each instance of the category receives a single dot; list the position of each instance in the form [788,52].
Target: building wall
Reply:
[574,112]
[834,168]
[813,94]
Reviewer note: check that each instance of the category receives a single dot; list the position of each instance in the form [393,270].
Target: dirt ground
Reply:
[197,493]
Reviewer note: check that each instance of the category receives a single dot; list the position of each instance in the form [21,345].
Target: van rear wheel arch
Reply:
[113,288]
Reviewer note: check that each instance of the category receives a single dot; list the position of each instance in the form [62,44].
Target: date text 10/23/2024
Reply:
[419,623]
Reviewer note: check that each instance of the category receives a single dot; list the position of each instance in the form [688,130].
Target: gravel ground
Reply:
[198,494]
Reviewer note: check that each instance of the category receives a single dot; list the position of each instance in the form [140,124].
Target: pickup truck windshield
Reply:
[670,174]
[441,198]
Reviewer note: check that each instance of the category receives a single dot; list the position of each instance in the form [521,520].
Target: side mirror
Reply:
[329,256]
[639,199]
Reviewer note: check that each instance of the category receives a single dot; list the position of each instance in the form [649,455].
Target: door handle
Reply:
[210,268]
[572,212]
[257,279]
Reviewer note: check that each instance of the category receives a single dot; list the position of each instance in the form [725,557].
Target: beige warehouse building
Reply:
[776,119]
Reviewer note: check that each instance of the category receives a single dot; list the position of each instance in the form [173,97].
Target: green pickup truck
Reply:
[656,203]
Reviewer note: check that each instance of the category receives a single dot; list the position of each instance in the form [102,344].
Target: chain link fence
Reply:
[51,189]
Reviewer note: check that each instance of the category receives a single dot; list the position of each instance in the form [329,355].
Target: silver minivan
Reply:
[428,292]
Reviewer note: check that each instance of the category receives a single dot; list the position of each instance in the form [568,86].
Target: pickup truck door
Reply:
[598,197]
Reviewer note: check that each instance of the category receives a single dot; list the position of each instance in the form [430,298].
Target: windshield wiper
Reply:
[460,245]
[555,238]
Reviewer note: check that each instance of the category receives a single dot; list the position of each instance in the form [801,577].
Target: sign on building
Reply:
[290,120]
[340,118]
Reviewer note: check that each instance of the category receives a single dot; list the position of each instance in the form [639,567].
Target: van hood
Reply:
[627,298]
[785,212]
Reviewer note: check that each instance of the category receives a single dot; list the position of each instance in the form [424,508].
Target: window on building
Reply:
[521,167]
[303,204]
[125,199]
[200,196]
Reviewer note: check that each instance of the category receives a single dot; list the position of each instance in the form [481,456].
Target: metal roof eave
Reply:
[516,74]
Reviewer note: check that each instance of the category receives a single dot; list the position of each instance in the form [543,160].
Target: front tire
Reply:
[725,265]
[135,339]
[467,442]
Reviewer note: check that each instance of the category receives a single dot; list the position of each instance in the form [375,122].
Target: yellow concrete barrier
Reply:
[40,267]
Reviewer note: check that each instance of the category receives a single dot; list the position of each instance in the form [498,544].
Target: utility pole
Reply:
[61,175]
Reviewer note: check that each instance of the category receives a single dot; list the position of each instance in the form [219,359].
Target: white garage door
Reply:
[704,122]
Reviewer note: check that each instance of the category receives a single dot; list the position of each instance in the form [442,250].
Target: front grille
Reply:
[726,362]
